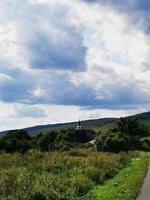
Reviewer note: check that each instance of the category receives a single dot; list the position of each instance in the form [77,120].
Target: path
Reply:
[145,190]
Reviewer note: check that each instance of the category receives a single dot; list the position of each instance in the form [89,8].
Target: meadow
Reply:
[58,175]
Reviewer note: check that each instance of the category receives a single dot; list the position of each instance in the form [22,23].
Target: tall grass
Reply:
[55,176]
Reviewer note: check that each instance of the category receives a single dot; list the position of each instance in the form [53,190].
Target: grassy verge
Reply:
[125,185]
[56,175]
[71,175]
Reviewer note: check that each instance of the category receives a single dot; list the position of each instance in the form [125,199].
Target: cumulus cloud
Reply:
[53,53]
[29,112]
[129,5]
[40,37]
[11,118]
[67,53]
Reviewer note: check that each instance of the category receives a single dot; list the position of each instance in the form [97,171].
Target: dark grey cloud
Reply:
[125,5]
[16,88]
[59,90]
[60,54]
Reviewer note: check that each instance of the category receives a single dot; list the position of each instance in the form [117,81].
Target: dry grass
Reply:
[55,176]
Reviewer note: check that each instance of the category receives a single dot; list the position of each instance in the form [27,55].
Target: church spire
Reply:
[79,125]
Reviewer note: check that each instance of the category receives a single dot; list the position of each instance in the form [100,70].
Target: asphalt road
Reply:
[145,190]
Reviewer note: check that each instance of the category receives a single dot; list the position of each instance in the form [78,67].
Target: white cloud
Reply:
[38,92]
[117,51]
[4,77]
[116,56]
[11,50]
[13,116]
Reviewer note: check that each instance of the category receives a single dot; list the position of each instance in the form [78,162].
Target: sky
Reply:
[67,60]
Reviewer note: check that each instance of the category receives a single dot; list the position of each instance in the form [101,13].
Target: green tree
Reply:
[46,142]
[130,126]
[114,142]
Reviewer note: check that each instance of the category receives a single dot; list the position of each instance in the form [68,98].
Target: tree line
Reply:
[126,134]
[62,140]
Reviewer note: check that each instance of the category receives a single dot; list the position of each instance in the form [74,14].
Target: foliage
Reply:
[126,184]
[131,126]
[76,136]
[114,142]
[63,140]
[46,142]
[124,136]
[127,134]
[145,144]
[15,141]
[55,176]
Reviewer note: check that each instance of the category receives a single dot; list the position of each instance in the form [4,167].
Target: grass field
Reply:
[56,176]
[126,184]
[71,176]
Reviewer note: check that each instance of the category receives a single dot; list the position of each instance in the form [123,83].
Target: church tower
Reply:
[79,125]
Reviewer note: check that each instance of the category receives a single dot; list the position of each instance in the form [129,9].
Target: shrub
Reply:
[96,175]
[114,142]
[75,136]
[82,184]
[63,146]
[145,144]
[38,196]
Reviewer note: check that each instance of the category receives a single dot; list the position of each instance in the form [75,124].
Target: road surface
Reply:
[145,190]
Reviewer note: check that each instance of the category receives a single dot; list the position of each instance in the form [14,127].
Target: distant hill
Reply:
[95,124]
[144,118]
[88,124]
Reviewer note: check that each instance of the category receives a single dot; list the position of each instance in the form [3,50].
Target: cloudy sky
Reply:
[73,59]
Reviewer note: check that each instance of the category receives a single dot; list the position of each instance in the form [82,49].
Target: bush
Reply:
[114,142]
[46,142]
[15,141]
[75,136]
[63,146]
[145,144]
[82,184]
[96,175]
[38,196]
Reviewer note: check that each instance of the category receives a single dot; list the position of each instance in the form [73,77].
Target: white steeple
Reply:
[79,125]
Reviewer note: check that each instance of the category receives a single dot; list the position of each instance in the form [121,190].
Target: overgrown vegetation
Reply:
[56,176]
[126,184]
[127,134]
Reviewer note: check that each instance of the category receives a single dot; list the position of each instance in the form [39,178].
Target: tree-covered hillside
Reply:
[122,135]
[95,124]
